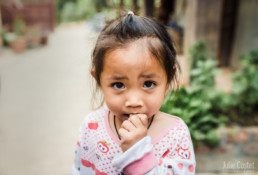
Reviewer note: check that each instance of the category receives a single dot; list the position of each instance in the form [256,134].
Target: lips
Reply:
[128,115]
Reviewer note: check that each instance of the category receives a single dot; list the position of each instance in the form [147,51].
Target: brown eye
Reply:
[149,84]
[118,85]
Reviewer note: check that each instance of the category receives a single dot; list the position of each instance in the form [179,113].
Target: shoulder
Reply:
[97,116]
[169,119]
[99,113]
[173,121]
[92,123]
[177,128]
[172,130]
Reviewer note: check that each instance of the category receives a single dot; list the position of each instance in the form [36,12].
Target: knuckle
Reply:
[132,116]
[143,116]
[124,124]
[131,119]
[120,131]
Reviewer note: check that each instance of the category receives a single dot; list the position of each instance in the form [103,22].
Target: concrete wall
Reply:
[202,23]
[203,20]
[1,39]
[208,19]
[190,25]
[246,35]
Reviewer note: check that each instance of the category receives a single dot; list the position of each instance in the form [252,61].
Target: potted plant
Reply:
[19,45]
[33,36]
[18,41]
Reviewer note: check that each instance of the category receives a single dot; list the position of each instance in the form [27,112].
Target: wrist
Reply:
[136,152]
[127,144]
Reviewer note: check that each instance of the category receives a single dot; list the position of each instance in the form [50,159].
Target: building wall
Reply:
[246,35]
[1,39]
[190,25]
[33,13]
[202,23]
[208,19]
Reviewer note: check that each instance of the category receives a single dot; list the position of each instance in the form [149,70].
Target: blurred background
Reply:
[45,85]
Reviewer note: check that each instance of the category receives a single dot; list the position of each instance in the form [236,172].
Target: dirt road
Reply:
[45,94]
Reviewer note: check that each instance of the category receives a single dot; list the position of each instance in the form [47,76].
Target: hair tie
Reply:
[130,13]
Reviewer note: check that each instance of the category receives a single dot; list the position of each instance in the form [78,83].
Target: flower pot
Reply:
[19,45]
[34,41]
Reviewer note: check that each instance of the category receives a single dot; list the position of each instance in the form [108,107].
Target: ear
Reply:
[93,73]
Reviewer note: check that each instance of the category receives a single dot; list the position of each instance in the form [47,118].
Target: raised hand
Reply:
[133,130]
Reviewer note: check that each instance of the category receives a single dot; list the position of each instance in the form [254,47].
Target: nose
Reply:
[134,100]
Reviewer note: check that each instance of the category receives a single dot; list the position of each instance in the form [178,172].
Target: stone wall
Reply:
[237,152]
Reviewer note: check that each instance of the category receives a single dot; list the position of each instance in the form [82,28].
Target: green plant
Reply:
[244,95]
[69,12]
[79,9]
[198,104]
[19,26]
[9,37]
[245,83]
[196,109]
[202,66]
[203,108]
[202,75]
[87,8]
[59,6]
[198,53]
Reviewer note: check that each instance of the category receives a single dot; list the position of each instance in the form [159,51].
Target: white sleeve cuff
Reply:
[74,171]
[136,152]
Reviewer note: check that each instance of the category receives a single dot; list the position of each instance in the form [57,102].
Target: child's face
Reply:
[133,82]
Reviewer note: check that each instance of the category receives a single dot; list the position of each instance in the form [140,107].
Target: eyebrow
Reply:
[117,78]
[149,76]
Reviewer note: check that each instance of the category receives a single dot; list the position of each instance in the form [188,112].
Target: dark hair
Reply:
[125,30]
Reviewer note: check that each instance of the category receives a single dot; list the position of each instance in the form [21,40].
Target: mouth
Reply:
[128,115]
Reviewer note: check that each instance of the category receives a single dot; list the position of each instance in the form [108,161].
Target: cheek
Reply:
[155,101]
[114,103]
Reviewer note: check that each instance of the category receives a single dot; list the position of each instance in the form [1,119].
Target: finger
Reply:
[144,119]
[127,125]
[122,132]
[135,120]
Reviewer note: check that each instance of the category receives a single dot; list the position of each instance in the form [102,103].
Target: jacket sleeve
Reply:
[140,159]
[77,160]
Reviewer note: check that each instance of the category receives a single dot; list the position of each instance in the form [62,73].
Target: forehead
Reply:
[134,55]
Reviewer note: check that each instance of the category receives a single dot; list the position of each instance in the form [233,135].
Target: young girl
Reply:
[134,64]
